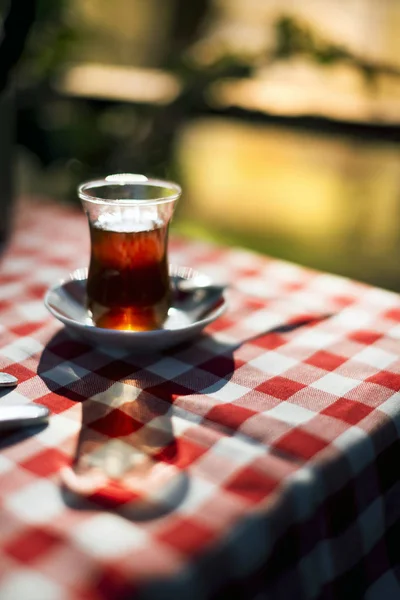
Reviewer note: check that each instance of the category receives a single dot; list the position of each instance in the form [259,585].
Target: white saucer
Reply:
[186,318]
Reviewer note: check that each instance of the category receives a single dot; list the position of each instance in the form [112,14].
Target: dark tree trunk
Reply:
[189,16]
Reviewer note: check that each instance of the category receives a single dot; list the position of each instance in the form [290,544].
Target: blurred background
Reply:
[281,119]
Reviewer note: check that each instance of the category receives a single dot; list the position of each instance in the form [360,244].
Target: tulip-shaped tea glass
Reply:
[128,283]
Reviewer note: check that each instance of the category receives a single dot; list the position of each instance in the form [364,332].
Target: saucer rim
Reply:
[80,274]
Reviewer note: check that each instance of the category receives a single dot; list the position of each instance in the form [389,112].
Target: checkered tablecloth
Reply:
[260,460]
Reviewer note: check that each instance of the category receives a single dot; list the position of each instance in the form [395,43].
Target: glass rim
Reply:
[129,179]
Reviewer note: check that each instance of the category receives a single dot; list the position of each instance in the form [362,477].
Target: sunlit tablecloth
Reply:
[274,437]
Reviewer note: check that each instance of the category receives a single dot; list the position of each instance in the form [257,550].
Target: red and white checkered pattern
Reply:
[259,460]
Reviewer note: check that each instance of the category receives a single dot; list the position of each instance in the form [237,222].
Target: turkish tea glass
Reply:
[128,285]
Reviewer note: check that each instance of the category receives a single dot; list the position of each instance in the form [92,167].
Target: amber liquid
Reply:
[128,282]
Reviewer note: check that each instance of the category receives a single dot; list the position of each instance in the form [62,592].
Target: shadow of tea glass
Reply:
[128,284]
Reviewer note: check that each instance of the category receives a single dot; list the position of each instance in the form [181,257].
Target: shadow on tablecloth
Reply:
[127,455]
[126,448]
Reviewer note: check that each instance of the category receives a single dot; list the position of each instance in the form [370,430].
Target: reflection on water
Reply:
[323,200]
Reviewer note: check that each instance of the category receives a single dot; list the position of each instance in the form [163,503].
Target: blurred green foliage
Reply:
[294,38]
[49,43]
[87,137]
